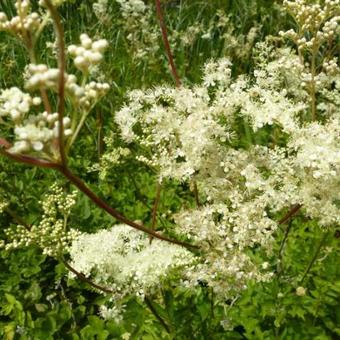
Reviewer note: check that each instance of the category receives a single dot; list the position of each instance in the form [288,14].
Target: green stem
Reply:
[314,258]
[154,312]
[279,262]
[313,90]
[155,208]
[197,199]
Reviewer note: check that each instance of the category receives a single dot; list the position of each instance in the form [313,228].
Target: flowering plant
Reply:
[250,151]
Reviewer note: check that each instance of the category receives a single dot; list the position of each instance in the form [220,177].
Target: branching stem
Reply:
[83,278]
[87,191]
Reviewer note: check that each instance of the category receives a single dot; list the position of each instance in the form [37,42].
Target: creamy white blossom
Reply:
[127,263]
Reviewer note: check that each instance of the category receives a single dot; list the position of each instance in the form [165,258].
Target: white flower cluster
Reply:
[225,232]
[127,263]
[25,21]
[132,7]
[185,134]
[16,104]
[141,31]
[112,313]
[32,132]
[216,73]
[89,53]
[51,234]
[177,126]
[37,133]
[101,10]
[316,162]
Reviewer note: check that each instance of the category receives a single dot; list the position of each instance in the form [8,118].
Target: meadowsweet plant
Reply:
[246,152]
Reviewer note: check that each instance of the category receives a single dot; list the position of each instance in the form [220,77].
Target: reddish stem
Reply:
[41,163]
[166,42]
[113,212]
[82,277]
[290,213]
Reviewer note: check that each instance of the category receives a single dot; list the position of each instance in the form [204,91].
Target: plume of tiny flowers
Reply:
[177,128]
[127,262]
[101,11]
[185,134]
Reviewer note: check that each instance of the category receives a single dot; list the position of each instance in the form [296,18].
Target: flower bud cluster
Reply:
[3,205]
[41,76]
[16,104]
[50,234]
[25,21]
[92,93]
[33,133]
[89,52]
[317,24]
[37,133]
[331,67]
[115,156]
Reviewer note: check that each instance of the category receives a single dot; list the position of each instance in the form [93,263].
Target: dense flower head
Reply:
[187,134]
[177,126]
[127,262]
